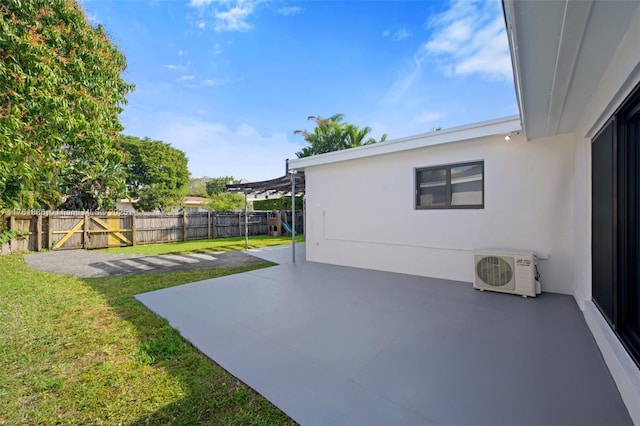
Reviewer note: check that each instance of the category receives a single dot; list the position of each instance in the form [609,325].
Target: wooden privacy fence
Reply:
[75,230]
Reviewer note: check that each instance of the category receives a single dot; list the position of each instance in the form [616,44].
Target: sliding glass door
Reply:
[615,153]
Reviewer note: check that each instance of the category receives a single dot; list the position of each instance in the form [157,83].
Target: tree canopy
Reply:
[198,186]
[331,134]
[226,202]
[216,185]
[61,92]
[156,173]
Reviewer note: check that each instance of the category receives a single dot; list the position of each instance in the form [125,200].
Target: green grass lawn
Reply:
[204,246]
[84,351]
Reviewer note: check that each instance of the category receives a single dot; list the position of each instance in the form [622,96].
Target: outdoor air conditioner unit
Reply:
[506,271]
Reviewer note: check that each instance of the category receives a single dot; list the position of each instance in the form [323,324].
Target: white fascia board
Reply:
[510,25]
[502,126]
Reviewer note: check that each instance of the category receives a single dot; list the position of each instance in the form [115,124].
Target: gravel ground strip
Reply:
[91,264]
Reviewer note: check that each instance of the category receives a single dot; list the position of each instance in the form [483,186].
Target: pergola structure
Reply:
[279,186]
[289,184]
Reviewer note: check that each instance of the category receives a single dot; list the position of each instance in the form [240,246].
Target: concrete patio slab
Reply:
[333,345]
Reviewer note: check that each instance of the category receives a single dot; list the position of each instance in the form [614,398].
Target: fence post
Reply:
[12,226]
[208,225]
[50,232]
[184,225]
[39,233]
[85,232]
[239,224]
[133,229]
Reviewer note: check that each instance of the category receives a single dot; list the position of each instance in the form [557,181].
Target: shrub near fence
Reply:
[60,230]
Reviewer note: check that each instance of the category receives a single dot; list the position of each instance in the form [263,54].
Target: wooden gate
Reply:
[90,231]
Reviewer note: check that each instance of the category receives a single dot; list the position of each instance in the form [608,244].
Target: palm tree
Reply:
[330,134]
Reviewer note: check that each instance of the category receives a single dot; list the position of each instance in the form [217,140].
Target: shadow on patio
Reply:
[337,345]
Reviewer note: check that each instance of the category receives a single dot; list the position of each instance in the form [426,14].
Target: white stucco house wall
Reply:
[577,75]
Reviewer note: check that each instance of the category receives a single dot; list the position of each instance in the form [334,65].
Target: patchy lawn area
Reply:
[205,246]
[85,351]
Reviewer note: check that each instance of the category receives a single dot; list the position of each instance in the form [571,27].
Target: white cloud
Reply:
[217,49]
[228,15]
[412,73]
[186,77]
[401,34]
[215,149]
[289,10]
[181,52]
[200,3]
[234,19]
[174,67]
[428,117]
[211,82]
[215,82]
[470,38]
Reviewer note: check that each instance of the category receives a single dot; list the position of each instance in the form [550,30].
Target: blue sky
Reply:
[229,81]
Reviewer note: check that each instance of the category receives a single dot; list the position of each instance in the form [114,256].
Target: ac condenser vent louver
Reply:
[506,271]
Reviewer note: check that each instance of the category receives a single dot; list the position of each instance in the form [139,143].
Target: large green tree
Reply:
[198,186]
[61,92]
[332,134]
[157,173]
[217,185]
[226,202]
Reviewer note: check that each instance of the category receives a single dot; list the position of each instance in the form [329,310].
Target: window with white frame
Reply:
[451,186]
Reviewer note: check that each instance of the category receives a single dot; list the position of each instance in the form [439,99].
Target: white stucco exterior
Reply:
[622,76]
[361,204]
[374,224]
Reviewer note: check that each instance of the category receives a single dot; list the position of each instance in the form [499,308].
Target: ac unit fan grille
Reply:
[494,271]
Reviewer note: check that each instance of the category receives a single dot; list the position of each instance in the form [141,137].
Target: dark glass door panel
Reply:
[603,222]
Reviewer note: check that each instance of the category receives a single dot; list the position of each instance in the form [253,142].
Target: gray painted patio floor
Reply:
[333,345]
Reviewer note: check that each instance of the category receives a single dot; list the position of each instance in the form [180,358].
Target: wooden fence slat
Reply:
[85,234]
[79,229]
[112,231]
[69,234]
[133,230]
[49,233]
[184,225]
[39,233]
[12,227]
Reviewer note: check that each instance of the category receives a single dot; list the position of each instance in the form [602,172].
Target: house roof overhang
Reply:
[502,126]
[560,50]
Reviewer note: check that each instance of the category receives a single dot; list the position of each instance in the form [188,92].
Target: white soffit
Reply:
[560,51]
[502,126]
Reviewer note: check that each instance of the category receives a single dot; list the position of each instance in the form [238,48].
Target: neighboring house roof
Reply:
[457,134]
[560,51]
[194,200]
